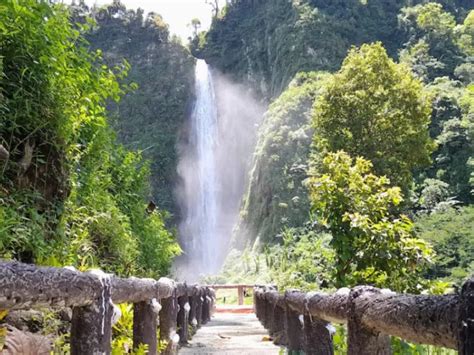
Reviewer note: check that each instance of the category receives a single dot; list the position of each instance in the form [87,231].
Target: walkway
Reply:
[230,333]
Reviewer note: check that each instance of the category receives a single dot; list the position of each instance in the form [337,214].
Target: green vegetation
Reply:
[269,42]
[372,244]
[452,234]
[408,119]
[71,195]
[303,260]
[151,117]
[374,108]
[277,197]
[93,100]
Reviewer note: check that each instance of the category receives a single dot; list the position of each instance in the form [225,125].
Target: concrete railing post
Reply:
[212,294]
[293,329]
[168,317]
[466,319]
[206,306]
[278,328]
[91,326]
[145,324]
[269,315]
[199,302]
[317,337]
[183,318]
[240,291]
[360,339]
[193,303]
[259,304]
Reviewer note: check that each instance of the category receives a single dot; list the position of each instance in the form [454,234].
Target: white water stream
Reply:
[213,168]
[200,224]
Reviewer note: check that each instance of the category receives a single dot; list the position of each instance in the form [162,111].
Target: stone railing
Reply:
[174,308]
[302,321]
[241,288]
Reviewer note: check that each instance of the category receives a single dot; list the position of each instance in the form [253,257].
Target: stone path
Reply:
[229,333]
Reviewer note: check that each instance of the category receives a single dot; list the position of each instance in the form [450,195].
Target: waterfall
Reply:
[200,224]
[213,169]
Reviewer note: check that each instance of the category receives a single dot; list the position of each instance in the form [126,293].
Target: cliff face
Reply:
[277,196]
[151,116]
[267,42]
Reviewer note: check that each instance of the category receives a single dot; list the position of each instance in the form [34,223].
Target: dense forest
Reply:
[75,192]
[151,117]
[363,170]
[397,110]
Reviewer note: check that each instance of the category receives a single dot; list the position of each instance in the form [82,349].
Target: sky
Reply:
[177,13]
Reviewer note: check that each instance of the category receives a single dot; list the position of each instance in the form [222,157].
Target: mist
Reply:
[215,157]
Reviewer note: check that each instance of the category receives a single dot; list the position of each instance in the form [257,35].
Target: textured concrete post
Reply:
[145,323]
[193,302]
[294,331]
[317,337]
[183,319]
[199,302]
[362,340]
[91,326]
[240,291]
[268,322]
[278,330]
[206,307]
[466,319]
[259,304]
[168,317]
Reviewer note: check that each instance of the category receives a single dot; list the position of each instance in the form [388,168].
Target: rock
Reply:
[26,320]
[26,343]
[4,154]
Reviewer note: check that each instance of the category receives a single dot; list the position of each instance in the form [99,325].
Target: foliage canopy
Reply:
[70,194]
[372,244]
[376,109]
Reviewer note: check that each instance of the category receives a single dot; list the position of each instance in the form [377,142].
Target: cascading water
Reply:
[202,187]
[213,167]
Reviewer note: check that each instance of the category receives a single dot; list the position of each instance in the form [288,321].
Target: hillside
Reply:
[267,44]
[151,117]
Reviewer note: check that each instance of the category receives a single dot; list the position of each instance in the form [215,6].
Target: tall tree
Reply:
[376,109]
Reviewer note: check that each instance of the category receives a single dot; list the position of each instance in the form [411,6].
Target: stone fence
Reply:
[175,308]
[302,321]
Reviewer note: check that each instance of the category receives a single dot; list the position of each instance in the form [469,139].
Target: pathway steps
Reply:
[230,333]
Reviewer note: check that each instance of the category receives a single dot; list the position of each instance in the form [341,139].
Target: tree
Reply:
[376,109]
[196,25]
[451,127]
[432,28]
[452,236]
[372,245]
[215,7]
[466,35]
